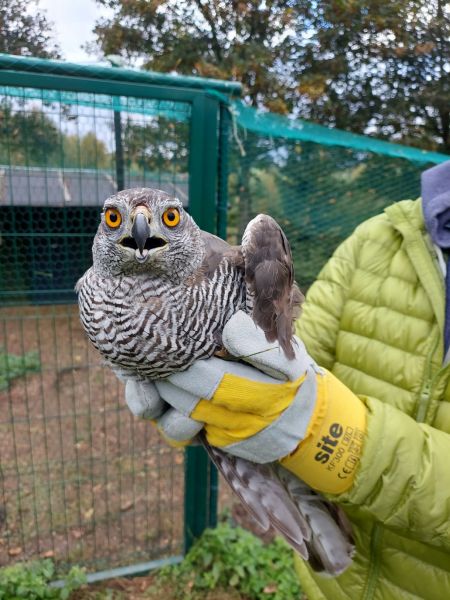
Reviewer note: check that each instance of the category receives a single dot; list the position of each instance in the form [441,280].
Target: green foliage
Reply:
[25,32]
[378,65]
[232,557]
[85,152]
[317,193]
[30,137]
[364,66]
[26,138]
[15,365]
[31,581]
[159,145]
[247,41]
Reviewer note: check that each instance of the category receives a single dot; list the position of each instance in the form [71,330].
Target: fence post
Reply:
[201,481]
[222,201]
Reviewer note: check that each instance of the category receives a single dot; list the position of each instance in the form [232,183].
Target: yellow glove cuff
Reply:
[240,408]
[327,457]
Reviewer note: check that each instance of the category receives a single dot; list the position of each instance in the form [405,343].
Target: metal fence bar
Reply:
[200,475]
[45,66]
[131,571]
[222,201]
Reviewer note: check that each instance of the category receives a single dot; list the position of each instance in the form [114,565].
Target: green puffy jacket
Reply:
[375,318]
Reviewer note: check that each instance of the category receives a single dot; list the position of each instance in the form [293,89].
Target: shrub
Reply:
[230,556]
[14,365]
[32,581]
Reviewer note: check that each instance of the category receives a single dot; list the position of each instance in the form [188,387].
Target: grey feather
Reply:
[276,498]
[269,277]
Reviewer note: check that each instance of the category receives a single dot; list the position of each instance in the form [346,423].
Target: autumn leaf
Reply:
[126,505]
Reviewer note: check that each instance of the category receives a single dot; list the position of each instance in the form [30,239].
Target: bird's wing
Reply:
[216,250]
[331,547]
[269,277]
[318,531]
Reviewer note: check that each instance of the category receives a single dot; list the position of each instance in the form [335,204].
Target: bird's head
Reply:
[146,231]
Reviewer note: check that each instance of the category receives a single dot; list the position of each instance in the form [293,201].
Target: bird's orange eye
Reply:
[113,218]
[171,217]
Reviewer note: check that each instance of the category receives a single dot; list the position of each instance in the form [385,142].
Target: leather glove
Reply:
[144,400]
[266,410]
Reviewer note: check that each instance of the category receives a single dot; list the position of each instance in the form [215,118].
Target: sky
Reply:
[73,21]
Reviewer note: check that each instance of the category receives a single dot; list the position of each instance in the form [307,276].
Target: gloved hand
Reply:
[184,390]
[144,400]
[287,410]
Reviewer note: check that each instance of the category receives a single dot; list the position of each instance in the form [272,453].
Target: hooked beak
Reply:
[142,241]
[140,230]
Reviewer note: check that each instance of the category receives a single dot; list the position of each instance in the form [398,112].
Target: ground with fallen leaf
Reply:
[83,481]
[146,588]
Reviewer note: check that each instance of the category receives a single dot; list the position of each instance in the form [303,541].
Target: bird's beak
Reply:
[142,241]
[140,230]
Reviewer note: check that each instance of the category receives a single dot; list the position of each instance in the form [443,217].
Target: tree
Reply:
[246,41]
[86,152]
[24,33]
[158,146]
[378,67]
[367,66]
[27,138]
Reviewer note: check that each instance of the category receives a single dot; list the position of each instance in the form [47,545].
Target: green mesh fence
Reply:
[81,480]
[318,183]
[58,162]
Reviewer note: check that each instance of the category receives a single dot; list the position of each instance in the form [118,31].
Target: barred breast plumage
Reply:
[160,290]
[152,327]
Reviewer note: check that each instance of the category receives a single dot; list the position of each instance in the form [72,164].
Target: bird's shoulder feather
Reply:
[216,253]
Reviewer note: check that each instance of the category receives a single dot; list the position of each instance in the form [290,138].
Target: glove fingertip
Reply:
[241,336]
[177,427]
[143,399]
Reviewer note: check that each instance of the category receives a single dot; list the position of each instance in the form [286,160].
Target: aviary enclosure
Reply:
[81,481]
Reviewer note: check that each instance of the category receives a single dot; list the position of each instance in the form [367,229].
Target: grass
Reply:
[13,366]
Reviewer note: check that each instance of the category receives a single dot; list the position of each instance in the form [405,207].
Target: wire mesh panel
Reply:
[318,193]
[60,157]
[80,480]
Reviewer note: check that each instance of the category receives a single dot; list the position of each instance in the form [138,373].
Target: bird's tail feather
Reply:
[318,531]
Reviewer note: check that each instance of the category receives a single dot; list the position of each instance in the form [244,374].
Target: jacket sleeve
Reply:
[403,479]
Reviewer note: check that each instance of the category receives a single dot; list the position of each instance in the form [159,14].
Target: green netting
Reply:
[268,124]
[319,183]
[80,480]
[177,111]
